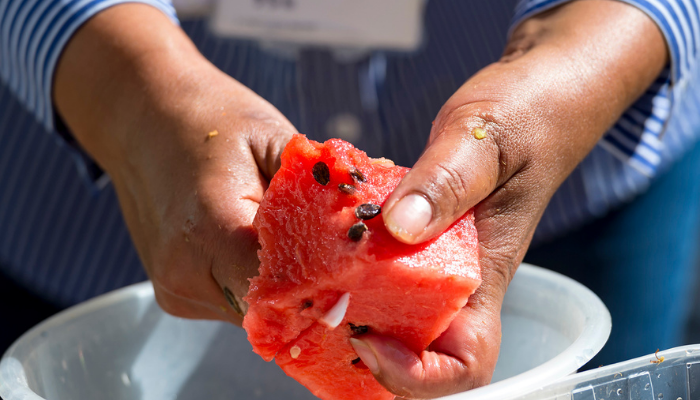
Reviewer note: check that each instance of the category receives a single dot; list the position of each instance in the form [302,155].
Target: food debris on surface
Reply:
[232,301]
[658,360]
[212,134]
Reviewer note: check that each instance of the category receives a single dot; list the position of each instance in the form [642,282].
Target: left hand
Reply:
[189,149]
[503,143]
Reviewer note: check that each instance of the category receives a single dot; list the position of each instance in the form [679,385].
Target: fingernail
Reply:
[366,354]
[409,217]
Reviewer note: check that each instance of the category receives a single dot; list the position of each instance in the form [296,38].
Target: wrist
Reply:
[608,41]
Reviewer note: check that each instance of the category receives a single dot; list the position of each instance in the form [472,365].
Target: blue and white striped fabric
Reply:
[34,33]
[64,237]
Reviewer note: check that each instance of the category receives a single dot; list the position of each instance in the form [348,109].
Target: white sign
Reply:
[364,24]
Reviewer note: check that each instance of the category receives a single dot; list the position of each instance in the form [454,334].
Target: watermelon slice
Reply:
[329,270]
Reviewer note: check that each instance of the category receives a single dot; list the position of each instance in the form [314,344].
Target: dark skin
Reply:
[141,100]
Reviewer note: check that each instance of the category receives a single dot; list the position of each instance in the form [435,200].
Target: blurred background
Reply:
[370,98]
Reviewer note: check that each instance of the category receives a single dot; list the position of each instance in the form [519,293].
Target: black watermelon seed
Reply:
[358,175]
[231,299]
[367,211]
[347,189]
[307,304]
[357,360]
[321,173]
[359,330]
[356,231]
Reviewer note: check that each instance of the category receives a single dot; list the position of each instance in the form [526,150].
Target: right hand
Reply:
[188,197]
[503,143]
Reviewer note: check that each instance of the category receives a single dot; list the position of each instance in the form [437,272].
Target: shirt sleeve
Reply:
[33,34]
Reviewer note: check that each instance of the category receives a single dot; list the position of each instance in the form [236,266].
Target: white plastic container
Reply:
[122,346]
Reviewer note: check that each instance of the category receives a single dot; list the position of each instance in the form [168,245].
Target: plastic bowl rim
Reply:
[598,326]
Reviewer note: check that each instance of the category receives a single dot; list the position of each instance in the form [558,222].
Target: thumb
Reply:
[462,358]
[460,167]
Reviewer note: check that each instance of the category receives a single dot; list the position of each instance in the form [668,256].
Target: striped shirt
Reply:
[61,231]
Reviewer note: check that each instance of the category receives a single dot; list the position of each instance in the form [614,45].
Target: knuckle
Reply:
[497,125]
[502,120]
[453,188]
[505,131]
[494,116]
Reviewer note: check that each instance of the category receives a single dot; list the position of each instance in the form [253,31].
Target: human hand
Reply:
[503,143]
[189,150]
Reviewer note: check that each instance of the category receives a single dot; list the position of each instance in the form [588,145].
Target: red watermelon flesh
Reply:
[308,261]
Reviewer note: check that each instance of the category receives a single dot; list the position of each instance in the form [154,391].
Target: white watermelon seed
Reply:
[294,352]
[335,315]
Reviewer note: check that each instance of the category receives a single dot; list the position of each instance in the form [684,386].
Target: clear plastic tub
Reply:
[122,346]
[677,377]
